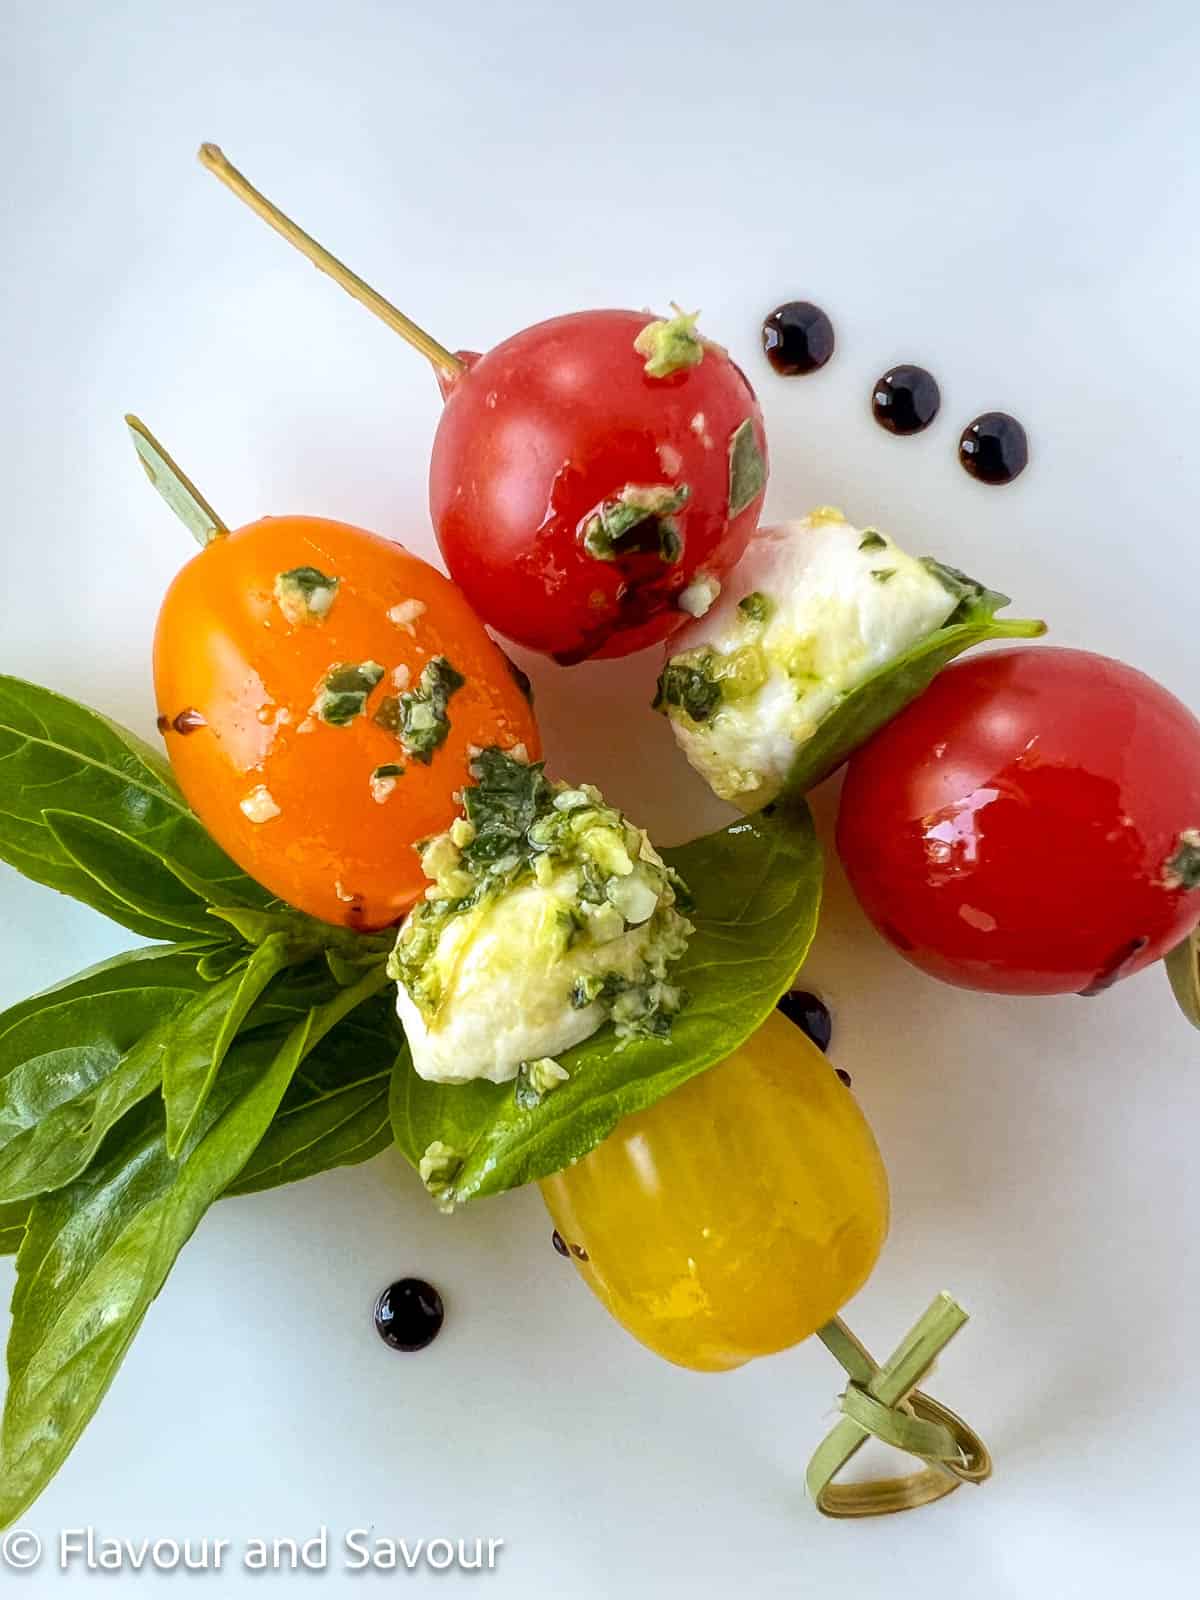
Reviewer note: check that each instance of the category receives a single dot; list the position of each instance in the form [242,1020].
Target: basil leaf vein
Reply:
[202,1034]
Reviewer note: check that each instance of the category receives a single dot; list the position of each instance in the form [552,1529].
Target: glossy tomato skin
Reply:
[1014,829]
[235,682]
[539,433]
[736,1216]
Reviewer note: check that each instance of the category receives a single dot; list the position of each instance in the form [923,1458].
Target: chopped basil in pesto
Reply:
[689,686]
[757,607]
[439,1167]
[872,539]
[537,1079]
[305,594]
[747,468]
[342,693]
[418,717]
[556,882]
[699,682]
[638,521]
[882,574]
[670,344]
[390,769]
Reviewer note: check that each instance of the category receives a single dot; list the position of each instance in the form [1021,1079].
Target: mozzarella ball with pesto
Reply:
[548,914]
[812,609]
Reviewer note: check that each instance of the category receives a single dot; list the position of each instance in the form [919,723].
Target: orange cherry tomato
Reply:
[294,778]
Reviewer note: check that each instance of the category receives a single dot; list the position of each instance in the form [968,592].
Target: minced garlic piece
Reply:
[406,613]
[259,805]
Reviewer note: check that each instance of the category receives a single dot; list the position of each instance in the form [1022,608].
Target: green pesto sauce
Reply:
[419,717]
[520,826]
[670,344]
[537,1079]
[756,607]
[305,594]
[640,520]
[689,687]
[699,682]
[343,693]
[747,468]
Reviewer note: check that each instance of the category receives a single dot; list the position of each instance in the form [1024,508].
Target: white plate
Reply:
[1005,194]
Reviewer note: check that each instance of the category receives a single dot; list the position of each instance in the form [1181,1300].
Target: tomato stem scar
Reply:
[212,157]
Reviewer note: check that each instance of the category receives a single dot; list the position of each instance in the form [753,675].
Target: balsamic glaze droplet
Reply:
[994,448]
[844,1076]
[409,1314]
[559,1243]
[579,1253]
[906,399]
[797,338]
[810,1014]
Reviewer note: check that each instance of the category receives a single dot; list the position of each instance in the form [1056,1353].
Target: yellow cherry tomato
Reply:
[736,1216]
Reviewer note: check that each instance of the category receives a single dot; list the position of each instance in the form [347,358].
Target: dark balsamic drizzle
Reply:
[409,1314]
[797,338]
[559,1243]
[810,1014]
[994,448]
[905,400]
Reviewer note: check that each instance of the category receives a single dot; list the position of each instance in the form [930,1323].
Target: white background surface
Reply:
[1007,194]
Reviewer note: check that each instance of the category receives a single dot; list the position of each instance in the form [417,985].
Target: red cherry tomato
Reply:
[540,445]
[1031,824]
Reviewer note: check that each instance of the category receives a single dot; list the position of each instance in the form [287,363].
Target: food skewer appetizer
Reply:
[611,460]
[555,974]
[377,922]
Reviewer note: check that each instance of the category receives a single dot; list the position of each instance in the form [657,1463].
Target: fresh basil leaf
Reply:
[757,888]
[1183,970]
[97,1252]
[336,1112]
[58,755]
[213,965]
[306,935]
[12,1226]
[200,1037]
[75,1058]
[137,877]
[886,692]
